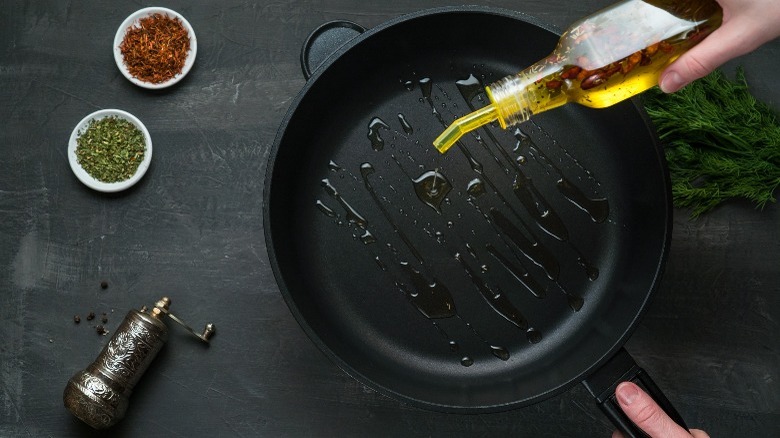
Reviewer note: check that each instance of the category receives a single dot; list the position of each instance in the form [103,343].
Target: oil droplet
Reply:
[380,263]
[471,251]
[377,143]
[522,139]
[575,302]
[409,85]
[597,209]
[454,346]
[352,215]
[500,352]
[333,166]
[432,187]
[405,124]
[467,361]
[426,86]
[325,209]
[469,88]
[534,336]
[450,224]
[475,187]
[367,238]
[521,159]
[591,271]
[432,299]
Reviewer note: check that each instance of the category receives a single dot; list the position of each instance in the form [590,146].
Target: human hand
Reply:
[645,413]
[747,24]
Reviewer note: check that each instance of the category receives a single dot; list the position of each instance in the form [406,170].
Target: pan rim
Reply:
[339,361]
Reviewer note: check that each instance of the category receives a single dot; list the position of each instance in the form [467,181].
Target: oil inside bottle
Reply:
[600,60]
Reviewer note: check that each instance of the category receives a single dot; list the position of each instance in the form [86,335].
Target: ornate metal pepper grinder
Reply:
[99,395]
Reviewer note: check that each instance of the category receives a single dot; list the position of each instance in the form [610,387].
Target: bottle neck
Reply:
[518,97]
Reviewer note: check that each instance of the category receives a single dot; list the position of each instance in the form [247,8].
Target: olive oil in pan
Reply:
[326,210]
[367,169]
[432,299]
[476,187]
[374,127]
[534,251]
[539,209]
[596,208]
[519,273]
[524,189]
[405,124]
[431,188]
[352,215]
[497,300]
[534,336]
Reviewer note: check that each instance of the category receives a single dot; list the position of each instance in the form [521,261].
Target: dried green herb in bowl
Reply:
[110,150]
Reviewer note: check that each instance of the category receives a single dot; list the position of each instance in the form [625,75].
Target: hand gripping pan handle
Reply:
[621,368]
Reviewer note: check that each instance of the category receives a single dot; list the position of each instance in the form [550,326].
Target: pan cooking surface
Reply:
[484,278]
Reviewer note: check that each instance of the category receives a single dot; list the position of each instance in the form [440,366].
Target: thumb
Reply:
[645,413]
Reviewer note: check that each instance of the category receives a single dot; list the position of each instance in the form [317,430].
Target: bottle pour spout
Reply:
[465,124]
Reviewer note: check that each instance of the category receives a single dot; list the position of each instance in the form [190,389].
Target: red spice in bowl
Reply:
[155,47]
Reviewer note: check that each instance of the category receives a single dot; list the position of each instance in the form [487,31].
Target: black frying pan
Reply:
[486,279]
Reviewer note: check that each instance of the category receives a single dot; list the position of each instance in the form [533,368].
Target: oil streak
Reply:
[327,210]
[405,124]
[380,263]
[591,272]
[535,252]
[597,209]
[374,126]
[497,300]
[534,336]
[539,208]
[352,215]
[432,299]
[574,160]
[524,189]
[367,169]
[518,272]
[496,350]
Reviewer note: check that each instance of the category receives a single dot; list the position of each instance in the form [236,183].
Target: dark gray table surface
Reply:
[192,229]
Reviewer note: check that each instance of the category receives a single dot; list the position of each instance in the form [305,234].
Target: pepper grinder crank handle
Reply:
[99,395]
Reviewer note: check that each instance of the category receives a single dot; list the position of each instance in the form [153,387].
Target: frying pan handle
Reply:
[620,368]
[325,41]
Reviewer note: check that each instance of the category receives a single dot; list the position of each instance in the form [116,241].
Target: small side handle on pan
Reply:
[324,41]
[620,368]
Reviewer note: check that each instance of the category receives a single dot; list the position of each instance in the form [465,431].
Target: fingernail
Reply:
[671,82]
[627,393]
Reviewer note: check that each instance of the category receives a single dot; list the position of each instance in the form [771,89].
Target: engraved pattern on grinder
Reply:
[99,395]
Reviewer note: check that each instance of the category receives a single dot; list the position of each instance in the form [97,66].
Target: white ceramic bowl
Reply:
[133,20]
[85,177]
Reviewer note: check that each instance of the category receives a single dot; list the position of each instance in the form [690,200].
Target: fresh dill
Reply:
[720,142]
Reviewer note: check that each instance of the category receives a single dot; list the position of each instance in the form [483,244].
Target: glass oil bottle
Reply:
[600,60]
